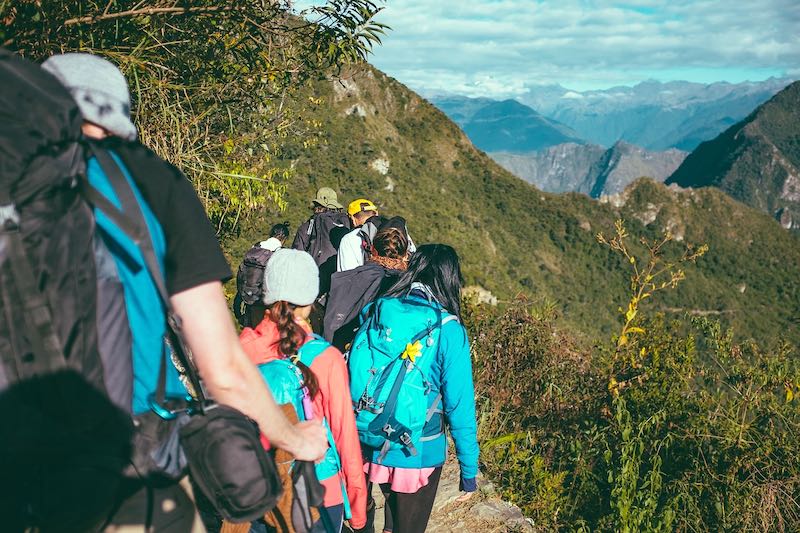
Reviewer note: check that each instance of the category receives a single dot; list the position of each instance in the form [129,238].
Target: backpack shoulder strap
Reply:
[130,220]
[47,354]
[313,348]
[450,318]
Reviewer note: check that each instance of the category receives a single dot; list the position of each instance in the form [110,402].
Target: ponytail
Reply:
[292,337]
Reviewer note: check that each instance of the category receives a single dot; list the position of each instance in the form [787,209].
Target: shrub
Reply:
[669,426]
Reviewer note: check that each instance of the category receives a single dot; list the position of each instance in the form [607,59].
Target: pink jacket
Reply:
[260,344]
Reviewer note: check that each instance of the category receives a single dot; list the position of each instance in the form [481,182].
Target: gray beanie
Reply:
[291,276]
[99,89]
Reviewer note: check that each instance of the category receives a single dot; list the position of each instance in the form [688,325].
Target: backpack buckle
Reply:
[365,404]
[405,439]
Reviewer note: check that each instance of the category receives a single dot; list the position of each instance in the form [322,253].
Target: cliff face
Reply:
[590,169]
[623,163]
[757,161]
[562,168]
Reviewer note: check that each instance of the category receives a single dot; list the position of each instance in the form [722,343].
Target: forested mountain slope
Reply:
[757,161]
[382,141]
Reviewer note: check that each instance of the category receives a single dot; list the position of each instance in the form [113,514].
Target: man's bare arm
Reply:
[231,378]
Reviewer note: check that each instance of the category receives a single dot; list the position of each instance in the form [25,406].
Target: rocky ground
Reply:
[485,512]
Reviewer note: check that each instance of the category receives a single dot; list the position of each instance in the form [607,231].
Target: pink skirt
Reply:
[406,480]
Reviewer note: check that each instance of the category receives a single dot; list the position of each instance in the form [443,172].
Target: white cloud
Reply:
[500,47]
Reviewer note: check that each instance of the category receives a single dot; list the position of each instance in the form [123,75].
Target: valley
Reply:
[590,169]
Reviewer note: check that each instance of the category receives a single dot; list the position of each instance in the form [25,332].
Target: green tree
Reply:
[204,72]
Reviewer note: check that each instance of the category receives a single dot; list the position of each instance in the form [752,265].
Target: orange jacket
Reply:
[333,400]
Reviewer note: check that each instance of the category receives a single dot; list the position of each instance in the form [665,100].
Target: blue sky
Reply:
[500,48]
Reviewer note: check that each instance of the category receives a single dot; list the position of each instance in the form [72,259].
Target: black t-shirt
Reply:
[193,253]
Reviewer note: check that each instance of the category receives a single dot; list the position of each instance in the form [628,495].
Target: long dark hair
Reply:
[437,267]
[292,337]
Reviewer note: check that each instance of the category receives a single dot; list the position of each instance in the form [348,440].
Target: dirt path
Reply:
[485,512]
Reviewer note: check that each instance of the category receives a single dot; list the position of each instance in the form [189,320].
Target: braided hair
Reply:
[390,242]
[292,337]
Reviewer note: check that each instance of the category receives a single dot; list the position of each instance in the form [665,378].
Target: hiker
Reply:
[401,224]
[247,306]
[351,290]
[313,235]
[277,236]
[320,236]
[355,245]
[291,283]
[414,338]
[194,269]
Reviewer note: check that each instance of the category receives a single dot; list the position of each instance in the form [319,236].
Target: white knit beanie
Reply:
[291,276]
[99,89]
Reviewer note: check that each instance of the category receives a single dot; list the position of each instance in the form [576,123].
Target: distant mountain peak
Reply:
[756,160]
[653,114]
[622,145]
[506,125]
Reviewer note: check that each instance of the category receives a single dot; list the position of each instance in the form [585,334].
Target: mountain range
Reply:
[589,168]
[756,161]
[651,114]
[506,126]
[409,158]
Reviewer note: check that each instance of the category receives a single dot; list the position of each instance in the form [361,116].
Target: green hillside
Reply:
[757,161]
[382,141]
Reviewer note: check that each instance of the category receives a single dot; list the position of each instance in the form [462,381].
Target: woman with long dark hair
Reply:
[411,376]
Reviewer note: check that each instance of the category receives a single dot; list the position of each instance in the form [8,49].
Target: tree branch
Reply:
[91,19]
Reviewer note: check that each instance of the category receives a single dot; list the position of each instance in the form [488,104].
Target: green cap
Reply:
[327,197]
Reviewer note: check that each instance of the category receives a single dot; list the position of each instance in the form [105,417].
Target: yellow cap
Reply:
[362,204]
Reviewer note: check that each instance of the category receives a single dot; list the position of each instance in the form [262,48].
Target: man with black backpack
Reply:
[320,234]
[248,308]
[64,449]
[313,235]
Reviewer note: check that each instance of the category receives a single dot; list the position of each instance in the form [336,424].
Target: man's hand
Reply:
[230,376]
[311,442]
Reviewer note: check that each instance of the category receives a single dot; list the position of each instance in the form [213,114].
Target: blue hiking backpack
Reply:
[285,381]
[390,365]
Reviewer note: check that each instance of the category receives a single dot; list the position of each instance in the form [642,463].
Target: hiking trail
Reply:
[485,512]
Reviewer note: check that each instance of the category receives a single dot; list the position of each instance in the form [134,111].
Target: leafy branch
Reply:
[215,85]
[92,19]
[651,274]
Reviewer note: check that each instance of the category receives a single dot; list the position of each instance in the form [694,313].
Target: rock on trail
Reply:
[485,512]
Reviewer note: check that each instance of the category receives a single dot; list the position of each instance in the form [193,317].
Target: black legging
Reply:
[409,513]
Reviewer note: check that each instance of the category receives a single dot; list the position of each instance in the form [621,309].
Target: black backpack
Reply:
[320,244]
[250,276]
[51,374]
